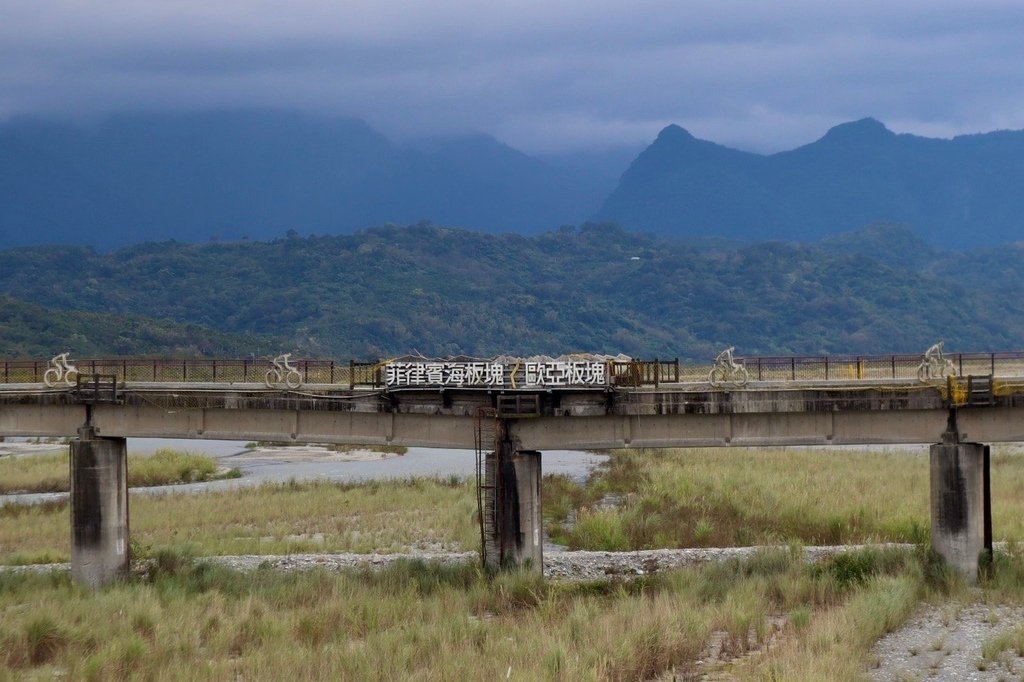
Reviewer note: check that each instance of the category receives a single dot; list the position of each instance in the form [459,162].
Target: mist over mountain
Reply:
[257,174]
[957,193]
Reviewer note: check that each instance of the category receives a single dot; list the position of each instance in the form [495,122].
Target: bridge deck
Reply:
[818,401]
[343,387]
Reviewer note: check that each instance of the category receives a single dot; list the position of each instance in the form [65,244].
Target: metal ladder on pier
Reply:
[486,428]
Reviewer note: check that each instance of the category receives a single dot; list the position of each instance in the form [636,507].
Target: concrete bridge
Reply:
[509,410]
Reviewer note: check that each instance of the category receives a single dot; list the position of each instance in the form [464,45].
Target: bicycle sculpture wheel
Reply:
[728,371]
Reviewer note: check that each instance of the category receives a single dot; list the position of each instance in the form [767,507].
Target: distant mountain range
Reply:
[957,193]
[256,174]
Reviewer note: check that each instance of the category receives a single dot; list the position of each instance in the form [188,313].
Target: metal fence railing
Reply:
[817,368]
[833,368]
[643,372]
[852,368]
[629,373]
[197,370]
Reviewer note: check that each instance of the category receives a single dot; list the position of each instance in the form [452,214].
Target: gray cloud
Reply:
[542,76]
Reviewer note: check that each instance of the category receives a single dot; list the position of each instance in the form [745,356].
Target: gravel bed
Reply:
[944,643]
[333,562]
[587,565]
[562,565]
[36,568]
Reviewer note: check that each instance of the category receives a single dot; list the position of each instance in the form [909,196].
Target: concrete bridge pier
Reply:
[961,501]
[513,530]
[99,508]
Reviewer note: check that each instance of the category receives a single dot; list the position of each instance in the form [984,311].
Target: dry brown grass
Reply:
[270,519]
[417,621]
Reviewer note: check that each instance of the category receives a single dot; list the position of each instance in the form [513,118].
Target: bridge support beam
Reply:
[99,508]
[961,501]
[514,532]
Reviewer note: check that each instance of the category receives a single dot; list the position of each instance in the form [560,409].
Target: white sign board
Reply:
[551,374]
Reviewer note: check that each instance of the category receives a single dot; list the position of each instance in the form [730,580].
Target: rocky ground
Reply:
[560,565]
[945,643]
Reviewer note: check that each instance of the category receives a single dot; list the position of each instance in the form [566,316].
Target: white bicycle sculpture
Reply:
[727,370]
[61,370]
[284,373]
[935,365]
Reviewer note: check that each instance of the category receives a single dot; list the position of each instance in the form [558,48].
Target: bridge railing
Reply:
[816,368]
[631,373]
[832,368]
[866,367]
[247,370]
[643,372]
[366,374]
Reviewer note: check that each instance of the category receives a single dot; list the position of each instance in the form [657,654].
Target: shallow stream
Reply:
[303,463]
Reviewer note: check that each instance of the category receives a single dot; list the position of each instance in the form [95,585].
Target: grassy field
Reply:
[719,497]
[50,473]
[388,516]
[417,621]
[639,499]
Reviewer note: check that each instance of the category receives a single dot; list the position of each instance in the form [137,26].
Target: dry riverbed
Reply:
[315,453]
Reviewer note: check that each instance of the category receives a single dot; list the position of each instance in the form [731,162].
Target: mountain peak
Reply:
[865,129]
[674,133]
[960,192]
[673,147]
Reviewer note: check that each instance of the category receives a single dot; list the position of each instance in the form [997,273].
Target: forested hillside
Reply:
[33,331]
[597,288]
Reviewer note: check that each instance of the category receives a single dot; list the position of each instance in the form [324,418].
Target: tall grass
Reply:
[50,473]
[724,497]
[426,621]
[832,646]
[417,621]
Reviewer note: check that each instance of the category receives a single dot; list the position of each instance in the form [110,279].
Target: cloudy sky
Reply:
[542,75]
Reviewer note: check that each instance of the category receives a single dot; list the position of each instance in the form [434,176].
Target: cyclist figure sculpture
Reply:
[283,372]
[60,370]
[935,365]
[727,370]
